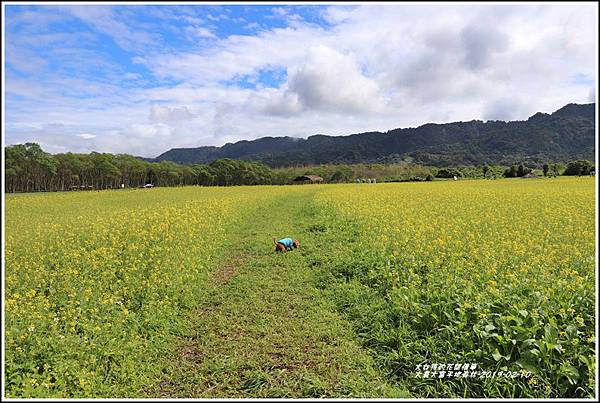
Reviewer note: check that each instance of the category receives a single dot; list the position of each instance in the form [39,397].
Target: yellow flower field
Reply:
[500,272]
[93,280]
[99,285]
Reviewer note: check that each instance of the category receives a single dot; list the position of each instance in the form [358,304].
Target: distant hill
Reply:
[566,134]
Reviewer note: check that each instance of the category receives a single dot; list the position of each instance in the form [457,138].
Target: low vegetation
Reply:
[30,169]
[498,273]
[96,284]
[113,294]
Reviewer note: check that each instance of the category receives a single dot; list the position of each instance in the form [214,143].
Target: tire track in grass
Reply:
[265,329]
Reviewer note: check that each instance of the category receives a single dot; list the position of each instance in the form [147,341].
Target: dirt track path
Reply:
[265,329]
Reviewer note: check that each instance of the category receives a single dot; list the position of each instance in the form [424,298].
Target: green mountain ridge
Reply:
[566,134]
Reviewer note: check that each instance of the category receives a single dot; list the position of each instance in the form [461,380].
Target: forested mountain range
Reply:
[566,134]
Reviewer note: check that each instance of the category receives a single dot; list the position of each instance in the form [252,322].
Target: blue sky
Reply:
[158,27]
[142,79]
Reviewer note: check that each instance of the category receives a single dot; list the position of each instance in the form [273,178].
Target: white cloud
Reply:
[327,81]
[86,136]
[377,67]
[202,32]
[236,55]
[508,108]
[216,17]
[102,18]
[160,113]
[193,20]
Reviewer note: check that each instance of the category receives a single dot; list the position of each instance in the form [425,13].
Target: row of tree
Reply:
[573,168]
[30,169]
[579,167]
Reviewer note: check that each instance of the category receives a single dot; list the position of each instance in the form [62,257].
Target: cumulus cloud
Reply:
[86,135]
[104,20]
[371,67]
[506,108]
[332,81]
[327,81]
[480,43]
[282,103]
[202,32]
[159,113]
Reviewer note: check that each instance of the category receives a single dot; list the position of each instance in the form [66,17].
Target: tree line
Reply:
[31,169]
[28,168]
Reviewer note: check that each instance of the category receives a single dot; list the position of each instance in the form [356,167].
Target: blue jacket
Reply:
[287,242]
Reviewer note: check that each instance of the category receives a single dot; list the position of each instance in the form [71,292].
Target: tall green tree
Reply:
[485,169]
[579,167]
[546,168]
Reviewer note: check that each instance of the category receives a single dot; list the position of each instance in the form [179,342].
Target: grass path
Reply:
[265,329]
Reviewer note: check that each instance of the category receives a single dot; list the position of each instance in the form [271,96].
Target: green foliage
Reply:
[517,171]
[233,172]
[343,174]
[485,170]
[448,173]
[349,173]
[546,169]
[408,309]
[127,305]
[100,286]
[580,167]
[511,172]
[103,308]
[522,170]
[556,169]
[29,168]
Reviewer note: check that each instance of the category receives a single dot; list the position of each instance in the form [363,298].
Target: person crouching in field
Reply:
[285,244]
